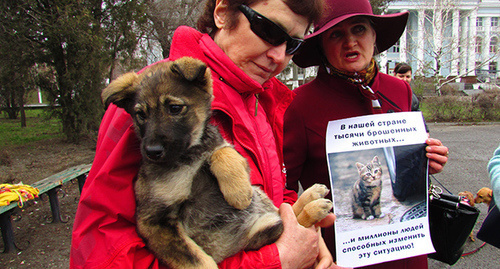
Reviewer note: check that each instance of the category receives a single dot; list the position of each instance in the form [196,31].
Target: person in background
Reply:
[403,71]
[245,43]
[494,170]
[348,84]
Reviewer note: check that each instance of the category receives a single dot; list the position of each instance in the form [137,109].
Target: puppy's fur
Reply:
[484,195]
[469,198]
[195,204]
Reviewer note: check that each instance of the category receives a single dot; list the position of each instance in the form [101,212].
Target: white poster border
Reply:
[377,243]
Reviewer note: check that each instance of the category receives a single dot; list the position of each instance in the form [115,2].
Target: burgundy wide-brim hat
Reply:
[388,28]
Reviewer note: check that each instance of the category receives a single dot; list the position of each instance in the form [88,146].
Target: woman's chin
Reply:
[352,67]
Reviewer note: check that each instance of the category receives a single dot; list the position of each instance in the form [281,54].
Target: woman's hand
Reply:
[437,154]
[325,259]
[298,246]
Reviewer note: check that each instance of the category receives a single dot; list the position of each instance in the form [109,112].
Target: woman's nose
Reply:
[277,53]
[350,40]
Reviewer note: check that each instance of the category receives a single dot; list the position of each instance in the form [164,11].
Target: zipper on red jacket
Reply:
[256,103]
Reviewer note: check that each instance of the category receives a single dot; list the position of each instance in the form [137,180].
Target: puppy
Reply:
[484,195]
[195,204]
[468,198]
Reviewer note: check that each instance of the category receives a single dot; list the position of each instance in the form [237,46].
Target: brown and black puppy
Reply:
[195,204]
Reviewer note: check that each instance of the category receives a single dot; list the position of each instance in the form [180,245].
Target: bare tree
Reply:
[379,6]
[167,15]
[439,43]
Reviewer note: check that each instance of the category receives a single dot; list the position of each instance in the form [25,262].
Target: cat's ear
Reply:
[360,166]
[375,160]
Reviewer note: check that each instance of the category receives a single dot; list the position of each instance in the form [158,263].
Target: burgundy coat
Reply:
[325,99]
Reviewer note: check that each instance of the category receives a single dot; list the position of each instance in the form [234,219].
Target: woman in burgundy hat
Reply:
[348,84]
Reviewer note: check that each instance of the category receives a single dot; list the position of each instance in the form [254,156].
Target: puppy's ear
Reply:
[120,91]
[193,70]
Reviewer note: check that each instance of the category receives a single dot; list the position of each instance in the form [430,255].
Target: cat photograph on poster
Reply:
[378,186]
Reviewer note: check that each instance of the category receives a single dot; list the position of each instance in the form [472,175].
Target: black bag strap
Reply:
[441,184]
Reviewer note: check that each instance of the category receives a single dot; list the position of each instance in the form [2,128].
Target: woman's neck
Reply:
[364,76]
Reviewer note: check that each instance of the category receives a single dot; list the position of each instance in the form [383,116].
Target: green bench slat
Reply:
[8,207]
[53,181]
[60,178]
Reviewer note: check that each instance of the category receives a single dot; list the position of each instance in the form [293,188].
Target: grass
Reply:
[39,127]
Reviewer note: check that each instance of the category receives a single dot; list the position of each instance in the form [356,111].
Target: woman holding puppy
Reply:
[348,84]
[245,44]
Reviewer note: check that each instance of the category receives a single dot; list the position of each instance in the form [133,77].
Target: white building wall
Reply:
[458,36]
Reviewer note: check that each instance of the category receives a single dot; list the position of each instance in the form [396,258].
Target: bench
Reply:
[49,186]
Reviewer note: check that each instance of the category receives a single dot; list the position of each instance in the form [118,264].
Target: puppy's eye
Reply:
[141,115]
[175,109]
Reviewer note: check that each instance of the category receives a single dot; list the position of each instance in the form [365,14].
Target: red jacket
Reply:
[325,99]
[104,233]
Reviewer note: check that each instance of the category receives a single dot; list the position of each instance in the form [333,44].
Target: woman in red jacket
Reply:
[348,84]
[245,48]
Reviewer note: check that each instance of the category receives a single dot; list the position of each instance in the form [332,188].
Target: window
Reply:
[479,24]
[394,48]
[494,22]
[493,44]
[493,66]
[479,43]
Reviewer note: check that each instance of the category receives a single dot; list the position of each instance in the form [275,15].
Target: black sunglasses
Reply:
[270,31]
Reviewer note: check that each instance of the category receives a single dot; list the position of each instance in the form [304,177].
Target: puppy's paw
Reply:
[238,197]
[471,237]
[314,211]
[232,173]
[314,192]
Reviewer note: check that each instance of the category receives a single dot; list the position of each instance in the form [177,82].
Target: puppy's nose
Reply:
[154,152]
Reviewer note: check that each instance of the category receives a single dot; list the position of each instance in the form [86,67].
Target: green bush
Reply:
[451,108]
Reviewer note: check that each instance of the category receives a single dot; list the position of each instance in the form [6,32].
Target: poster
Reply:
[378,174]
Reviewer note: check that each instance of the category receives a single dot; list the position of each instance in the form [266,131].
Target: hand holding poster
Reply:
[378,174]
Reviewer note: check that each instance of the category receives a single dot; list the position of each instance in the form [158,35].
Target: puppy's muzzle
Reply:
[154,152]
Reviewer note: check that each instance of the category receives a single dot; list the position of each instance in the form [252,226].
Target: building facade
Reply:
[448,38]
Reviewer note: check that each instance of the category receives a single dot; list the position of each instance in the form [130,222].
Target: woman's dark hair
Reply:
[311,9]
[402,68]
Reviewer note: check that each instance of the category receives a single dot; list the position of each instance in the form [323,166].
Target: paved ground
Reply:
[471,146]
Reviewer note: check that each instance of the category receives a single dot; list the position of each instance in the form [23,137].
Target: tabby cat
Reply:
[366,191]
